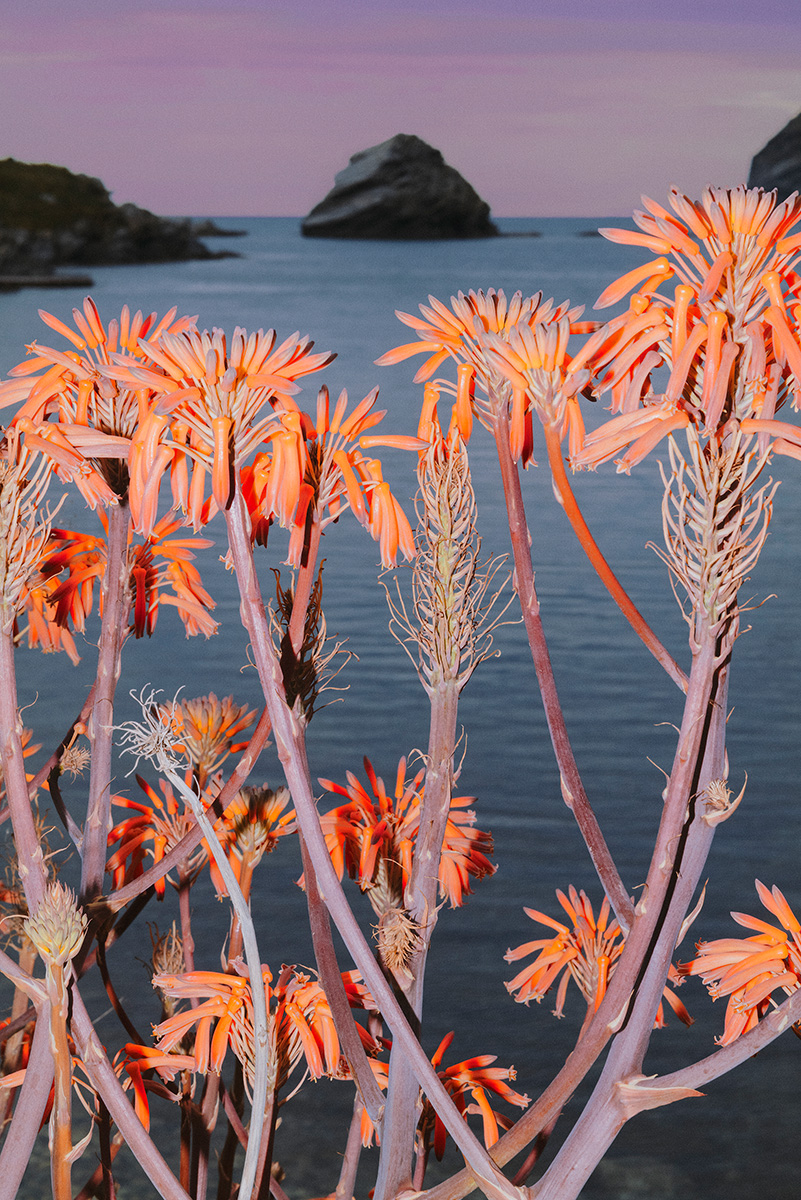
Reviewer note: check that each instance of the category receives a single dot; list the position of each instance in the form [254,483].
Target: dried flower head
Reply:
[58,926]
[156,736]
[398,936]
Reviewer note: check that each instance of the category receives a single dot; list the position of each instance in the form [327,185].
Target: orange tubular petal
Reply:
[683,298]
[714,276]
[517,427]
[487,1116]
[352,487]
[659,268]
[465,374]
[428,427]
[350,426]
[716,324]
[60,327]
[778,321]
[681,365]
[430,365]
[628,237]
[406,351]
[394,441]
[221,471]
[645,444]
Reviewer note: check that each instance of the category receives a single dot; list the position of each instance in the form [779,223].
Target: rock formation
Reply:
[50,217]
[778,164]
[401,190]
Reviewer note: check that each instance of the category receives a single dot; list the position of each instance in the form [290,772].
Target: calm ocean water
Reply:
[739,1140]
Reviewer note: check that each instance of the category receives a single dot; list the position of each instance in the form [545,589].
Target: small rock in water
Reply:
[401,190]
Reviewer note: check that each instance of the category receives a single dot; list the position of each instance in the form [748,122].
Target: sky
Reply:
[226,108]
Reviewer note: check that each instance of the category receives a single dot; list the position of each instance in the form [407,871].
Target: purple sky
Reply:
[207,107]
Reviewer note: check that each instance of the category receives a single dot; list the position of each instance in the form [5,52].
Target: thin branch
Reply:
[572,788]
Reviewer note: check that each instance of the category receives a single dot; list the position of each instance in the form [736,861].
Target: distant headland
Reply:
[50,217]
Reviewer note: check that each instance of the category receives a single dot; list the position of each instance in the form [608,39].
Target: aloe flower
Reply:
[585,951]
[750,970]
[484,334]
[728,335]
[373,835]
[84,417]
[301,1028]
[216,398]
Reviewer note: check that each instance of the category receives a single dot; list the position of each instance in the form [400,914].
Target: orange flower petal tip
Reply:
[394,441]
[659,267]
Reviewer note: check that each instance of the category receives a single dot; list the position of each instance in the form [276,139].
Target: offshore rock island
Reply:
[400,190]
[50,217]
[778,163]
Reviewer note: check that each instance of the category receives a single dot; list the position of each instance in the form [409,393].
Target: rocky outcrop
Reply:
[50,217]
[778,164]
[401,190]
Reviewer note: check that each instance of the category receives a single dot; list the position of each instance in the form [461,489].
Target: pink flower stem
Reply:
[290,745]
[616,1003]
[185,912]
[116,603]
[103,1079]
[572,787]
[567,499]
[350,1160]
[24,1128]
[30,858]
[331,977]
[680,854]
[420,900]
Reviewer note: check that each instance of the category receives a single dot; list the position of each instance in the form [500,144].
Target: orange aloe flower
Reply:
[471,1079]
[301,1025]
[254,821]
[373,838]
[750,970]
[206,729]
[728,336]
[315,470]
[211,398]
[160,562]
[153,831]
[72,401]
[489,338]
[588,947]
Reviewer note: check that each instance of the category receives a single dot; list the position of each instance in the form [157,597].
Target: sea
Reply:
[741,1139]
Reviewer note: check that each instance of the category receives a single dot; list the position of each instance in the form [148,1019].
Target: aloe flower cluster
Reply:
[164,429]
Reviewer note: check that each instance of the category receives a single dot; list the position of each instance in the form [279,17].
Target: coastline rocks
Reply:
[778,163]
[400,190]
[50,217]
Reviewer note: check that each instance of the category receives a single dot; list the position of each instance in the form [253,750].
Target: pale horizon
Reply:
[205,108]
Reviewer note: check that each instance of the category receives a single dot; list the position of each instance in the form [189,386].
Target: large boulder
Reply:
[401,190]
[49,217]
[778,164]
